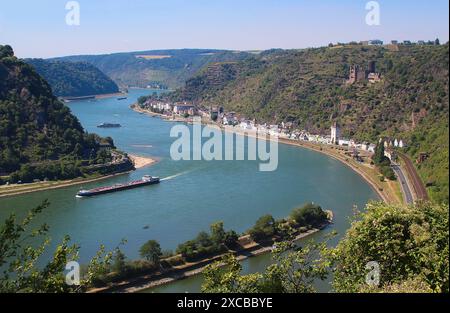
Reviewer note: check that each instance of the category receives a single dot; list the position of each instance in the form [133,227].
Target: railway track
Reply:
[418,186]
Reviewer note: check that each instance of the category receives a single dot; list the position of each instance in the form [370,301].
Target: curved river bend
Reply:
[196,194]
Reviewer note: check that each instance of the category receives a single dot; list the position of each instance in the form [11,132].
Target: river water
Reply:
[194,195]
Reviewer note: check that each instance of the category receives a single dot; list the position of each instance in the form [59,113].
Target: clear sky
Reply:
[39,29]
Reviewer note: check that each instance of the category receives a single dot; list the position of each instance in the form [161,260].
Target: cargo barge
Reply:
[109,125]
[146,180]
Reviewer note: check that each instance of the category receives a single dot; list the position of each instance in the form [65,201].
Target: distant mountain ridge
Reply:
[74,79]
[156,68]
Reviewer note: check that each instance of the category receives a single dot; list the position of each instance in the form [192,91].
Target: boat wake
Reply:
[176,175]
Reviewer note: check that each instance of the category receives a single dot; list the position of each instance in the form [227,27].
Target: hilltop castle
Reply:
[357,74]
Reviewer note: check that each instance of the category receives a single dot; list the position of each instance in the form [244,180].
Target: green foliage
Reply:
[39,137]
[119,265]
[407,242]
[432,138]
[410,244]
[294,271]
[141,100]
[74,79]
[379,157]
[6,51]
[19,259]
[265,227]
[151,251]
[309,215]
[228,278]
[383,163]
[217,232]
[205,244]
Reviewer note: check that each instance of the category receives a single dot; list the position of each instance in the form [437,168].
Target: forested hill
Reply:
[156,68]
[74,79]
[38,134]
[308,87]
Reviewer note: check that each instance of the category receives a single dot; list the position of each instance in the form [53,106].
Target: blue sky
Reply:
[38,28]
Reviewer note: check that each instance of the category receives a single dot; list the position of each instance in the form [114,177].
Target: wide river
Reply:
[194,195]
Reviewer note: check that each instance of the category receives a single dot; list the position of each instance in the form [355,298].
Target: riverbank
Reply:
[140,161]
[388,191]
[16,190]
[21,189]
[249,248]
[93,97]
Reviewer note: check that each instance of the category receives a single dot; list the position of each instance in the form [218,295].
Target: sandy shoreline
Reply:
[140,161]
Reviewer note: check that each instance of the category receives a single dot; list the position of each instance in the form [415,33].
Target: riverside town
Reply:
[220,155]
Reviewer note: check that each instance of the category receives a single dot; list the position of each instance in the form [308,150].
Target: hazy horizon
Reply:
[39,30]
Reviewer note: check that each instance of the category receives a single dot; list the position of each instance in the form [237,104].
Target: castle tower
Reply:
[335,133]
[353,74]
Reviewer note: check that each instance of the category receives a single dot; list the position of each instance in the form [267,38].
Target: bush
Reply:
[265,227]
[205,245]
[231,238]
[151,251]
[309,215]
[407,242]
[388,172]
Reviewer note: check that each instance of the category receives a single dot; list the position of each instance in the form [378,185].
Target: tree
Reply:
[187,249]
[151,251]
[142,99]
[217,233]
[410,244]
[203,239]
[407,242]
[378,157]
[228,278]
[264,228]
[309,215]
[294,271]
[6,51]
[18,260]
[231,237]
[119,266]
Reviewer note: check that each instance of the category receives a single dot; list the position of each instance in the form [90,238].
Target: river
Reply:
[196,193]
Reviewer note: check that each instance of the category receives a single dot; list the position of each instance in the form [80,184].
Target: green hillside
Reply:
[308,88]
[73,79]
[39,137]
[158,68]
